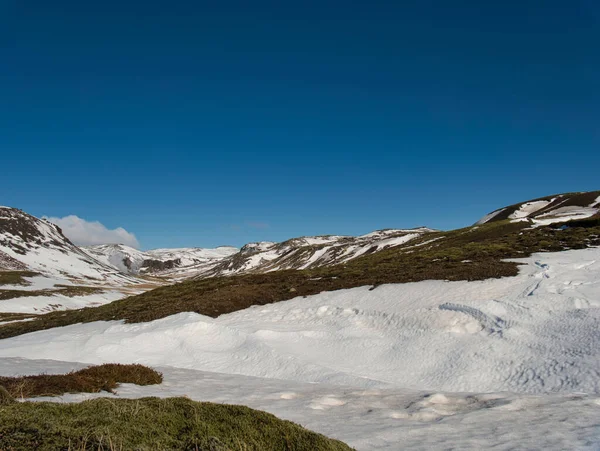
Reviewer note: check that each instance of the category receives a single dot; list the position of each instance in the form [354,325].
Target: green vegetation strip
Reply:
[472,253]
[88,380]
[151,424]
[63,290]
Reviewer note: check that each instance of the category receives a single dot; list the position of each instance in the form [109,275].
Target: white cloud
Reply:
[88,233]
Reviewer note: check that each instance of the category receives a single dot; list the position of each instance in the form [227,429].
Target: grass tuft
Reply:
[88,380]
[152,424]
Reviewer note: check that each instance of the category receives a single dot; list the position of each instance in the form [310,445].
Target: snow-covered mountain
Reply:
[27,242]
[158,262]
[43,271]
[124,258]
[549,210]
[310,252]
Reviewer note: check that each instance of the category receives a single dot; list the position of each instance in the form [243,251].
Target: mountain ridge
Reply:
[157,262]
[310,251]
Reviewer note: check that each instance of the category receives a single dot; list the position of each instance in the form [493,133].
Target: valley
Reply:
[485,336]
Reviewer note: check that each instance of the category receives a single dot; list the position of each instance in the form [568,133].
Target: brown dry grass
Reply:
[88,380]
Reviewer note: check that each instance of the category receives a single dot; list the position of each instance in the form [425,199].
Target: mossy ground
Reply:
[151,424]
[472,253]
[16,277]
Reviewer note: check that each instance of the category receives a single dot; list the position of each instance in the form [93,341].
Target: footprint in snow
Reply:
[326,402]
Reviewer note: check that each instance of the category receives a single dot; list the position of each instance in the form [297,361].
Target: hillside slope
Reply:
[550,209]
[310,252]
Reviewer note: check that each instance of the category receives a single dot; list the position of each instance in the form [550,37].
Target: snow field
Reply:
[535,333]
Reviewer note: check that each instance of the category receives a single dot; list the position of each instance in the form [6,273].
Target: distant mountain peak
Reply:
[158,262]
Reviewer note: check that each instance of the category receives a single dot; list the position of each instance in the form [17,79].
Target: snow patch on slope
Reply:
[489,216]
[565,214]
[528,208]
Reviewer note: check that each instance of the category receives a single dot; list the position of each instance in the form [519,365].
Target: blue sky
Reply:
[208,123]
